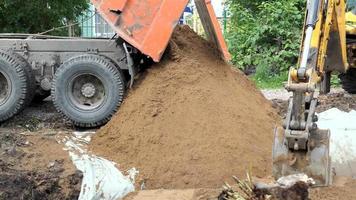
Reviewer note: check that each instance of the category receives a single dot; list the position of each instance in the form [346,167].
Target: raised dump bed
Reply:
[148,24]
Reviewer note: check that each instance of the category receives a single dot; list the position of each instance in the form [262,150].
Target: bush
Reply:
[265,36]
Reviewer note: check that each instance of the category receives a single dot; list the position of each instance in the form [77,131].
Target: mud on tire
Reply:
[16,84]
[88,90]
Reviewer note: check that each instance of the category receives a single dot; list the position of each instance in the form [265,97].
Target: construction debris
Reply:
[294,187]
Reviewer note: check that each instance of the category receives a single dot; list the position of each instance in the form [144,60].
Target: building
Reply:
[93,25]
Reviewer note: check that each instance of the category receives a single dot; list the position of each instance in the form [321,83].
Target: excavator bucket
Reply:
[315,162]
[148,24]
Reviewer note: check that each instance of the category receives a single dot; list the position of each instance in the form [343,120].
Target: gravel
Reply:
[282,94]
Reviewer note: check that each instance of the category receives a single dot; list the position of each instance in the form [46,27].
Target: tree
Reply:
[264,35]
[35,16]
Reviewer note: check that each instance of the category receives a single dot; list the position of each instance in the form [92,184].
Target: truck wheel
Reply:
[348,81]
[15,83]
[88,90]
[31,81]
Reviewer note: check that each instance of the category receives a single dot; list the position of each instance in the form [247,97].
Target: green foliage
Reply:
[272,82]
[265,35]
[35,16]
[335,80]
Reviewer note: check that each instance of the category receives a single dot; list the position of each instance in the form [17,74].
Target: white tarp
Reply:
[342,141]
[101,178]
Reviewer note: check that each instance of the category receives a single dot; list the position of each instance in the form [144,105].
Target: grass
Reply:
[272,82]
[335,81]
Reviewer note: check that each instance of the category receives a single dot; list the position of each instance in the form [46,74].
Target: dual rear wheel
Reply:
[86,89]
[16,83]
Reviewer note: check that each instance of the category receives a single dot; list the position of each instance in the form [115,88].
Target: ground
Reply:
[33,164]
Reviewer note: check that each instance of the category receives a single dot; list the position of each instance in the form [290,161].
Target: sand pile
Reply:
[191,121]
[343,188]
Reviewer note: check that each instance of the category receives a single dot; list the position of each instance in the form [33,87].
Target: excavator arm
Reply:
[300,146]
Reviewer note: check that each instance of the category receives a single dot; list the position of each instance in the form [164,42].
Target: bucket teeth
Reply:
[315,162]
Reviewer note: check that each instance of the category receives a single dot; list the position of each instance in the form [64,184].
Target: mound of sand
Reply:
[343,188]
[191,121]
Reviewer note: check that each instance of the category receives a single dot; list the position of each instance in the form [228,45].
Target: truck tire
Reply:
[16,81]
[88,90]
[348,81]
[31,86]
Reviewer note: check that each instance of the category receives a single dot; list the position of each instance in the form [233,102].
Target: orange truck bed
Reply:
[148,24]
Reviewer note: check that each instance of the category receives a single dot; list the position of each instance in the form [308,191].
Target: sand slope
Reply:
[191,121]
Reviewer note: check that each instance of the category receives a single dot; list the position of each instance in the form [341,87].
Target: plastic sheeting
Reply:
[101,178]
[342,141]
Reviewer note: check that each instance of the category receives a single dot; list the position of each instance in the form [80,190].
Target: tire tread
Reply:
[109,65]
[25,75]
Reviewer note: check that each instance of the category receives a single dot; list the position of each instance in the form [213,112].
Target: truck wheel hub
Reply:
[5,88]
[88,90]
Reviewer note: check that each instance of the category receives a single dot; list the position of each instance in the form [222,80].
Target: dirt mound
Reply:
[191,121]
[343,189]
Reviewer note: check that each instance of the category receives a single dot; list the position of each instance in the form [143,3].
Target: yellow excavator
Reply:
[328,45]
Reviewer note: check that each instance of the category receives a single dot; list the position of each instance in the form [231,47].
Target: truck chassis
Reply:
[85,77]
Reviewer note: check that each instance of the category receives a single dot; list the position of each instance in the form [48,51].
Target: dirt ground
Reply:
[188,194]
[337,99]
[33,165]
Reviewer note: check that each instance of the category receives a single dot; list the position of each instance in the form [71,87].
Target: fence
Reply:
[93,25]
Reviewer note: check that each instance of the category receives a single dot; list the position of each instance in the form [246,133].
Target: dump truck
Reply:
[328,45]
[87,77]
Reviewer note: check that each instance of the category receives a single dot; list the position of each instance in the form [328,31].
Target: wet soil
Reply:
[32,163]
[341,100]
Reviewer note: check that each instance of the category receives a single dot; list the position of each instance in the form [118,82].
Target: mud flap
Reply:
[315,162]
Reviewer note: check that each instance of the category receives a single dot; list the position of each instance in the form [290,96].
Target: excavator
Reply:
[328,46]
